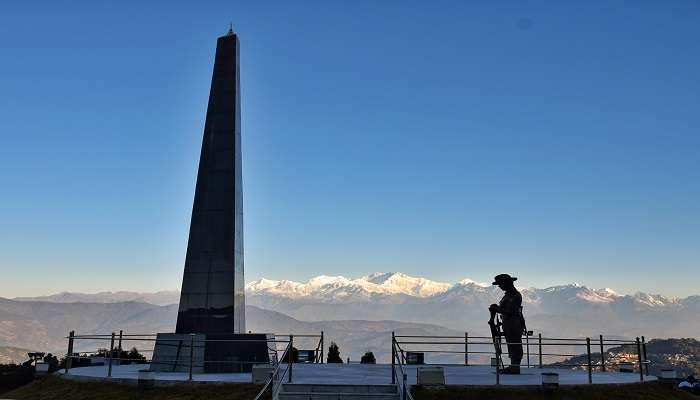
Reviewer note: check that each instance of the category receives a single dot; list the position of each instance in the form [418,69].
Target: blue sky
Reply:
[557,141]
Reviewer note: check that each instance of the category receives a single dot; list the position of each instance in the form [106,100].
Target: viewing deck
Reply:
[365,374]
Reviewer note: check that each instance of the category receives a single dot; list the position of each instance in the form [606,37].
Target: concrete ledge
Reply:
[365,374]
[156,382]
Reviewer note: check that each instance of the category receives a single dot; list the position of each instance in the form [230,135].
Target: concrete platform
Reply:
[363,374]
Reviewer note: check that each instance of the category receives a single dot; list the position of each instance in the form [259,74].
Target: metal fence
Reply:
[82,347]
[539,351]
[276,379]
[398,373]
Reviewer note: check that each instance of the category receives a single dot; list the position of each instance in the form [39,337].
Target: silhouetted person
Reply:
[511,310]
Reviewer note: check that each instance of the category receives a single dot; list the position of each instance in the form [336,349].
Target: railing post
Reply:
[404,386]
[322,344]
[639,360]
[498,371]
[393,358]
[69,356]
[191,356]
[602,354]
[111,355]
[466,348]
[590,366]
[119,347]
[527,346]
[644,353]
[290,357]
[539,345]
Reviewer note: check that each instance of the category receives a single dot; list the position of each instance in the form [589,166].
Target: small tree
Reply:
[52,361]
[368,358]
[334,354]
[134,356]
[126,357]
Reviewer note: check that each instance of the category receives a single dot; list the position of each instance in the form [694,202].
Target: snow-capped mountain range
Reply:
[376,285]
[573,308]
[340,287]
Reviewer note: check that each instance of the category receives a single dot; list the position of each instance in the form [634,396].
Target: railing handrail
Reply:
[633,350]
[288,352]
[139,339]
[113,348]
[403,389]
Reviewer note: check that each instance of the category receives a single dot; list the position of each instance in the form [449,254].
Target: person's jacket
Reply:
[511,309]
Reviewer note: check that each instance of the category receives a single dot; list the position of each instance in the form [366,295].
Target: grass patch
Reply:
[54,388]
[647,391]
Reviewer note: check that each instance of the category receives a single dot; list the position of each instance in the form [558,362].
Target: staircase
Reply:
[298,391]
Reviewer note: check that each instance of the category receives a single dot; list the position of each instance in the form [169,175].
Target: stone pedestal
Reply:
[172,353]
[211,353]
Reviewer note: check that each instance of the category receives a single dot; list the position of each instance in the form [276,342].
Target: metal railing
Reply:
[546,347]
[318,350]
[275,380]
[147,342]
[398,374]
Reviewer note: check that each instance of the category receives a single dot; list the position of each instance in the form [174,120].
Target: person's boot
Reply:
[511,370]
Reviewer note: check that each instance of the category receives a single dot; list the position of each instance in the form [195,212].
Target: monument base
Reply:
[210,353]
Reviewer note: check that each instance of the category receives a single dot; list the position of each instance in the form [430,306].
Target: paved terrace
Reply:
[368,374]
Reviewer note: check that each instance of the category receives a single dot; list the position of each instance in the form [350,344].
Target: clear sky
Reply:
[558,141]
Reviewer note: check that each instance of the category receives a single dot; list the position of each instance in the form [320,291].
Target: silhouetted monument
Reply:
[212,297]
[212,300]
[510,309]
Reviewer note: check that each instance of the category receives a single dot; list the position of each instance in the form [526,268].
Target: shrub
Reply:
[334,354]
[127,357]
[368,358]
[52,360]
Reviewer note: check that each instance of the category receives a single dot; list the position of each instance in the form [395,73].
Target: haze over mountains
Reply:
[42,326]
[358,313]
[161,298]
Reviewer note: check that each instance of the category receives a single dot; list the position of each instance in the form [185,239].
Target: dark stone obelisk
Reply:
[210,333]
[212,297]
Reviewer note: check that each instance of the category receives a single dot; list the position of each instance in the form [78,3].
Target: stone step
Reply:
[338,388]
[337,396]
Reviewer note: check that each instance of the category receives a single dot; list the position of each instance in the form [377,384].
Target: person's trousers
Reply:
[513,333]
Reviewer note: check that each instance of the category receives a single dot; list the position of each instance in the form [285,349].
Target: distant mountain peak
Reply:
[381,277]
[467,281]
[378,283]
[390,286]
[395,288]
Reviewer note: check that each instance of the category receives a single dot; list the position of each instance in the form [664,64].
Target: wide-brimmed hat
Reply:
[502,278]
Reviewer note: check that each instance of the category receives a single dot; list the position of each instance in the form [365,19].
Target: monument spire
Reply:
[212,299]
